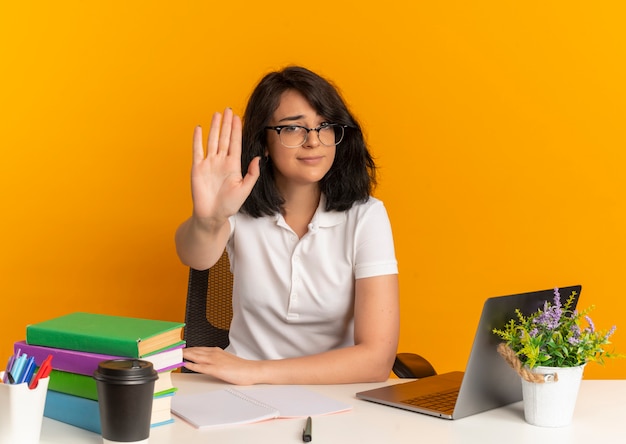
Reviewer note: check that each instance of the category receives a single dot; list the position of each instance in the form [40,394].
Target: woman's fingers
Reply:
[234,142]
[219,140]
[254,171]
[217,186]
[214,134]
[225,133]
[224,137]
[198,149]
[216,362]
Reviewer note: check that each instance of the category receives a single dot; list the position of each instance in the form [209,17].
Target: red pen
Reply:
[44,371]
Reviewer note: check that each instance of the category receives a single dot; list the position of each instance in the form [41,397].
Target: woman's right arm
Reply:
[218,190]
[199,246]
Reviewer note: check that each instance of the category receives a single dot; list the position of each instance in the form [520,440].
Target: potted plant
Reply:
[549,349]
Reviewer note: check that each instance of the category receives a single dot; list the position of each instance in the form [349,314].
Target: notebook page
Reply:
[294,401]
[220,408]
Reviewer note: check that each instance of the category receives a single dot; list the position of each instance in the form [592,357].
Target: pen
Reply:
[7,372]
[43,372]
[307,433]
[30,370]
[27,371]
[18,367]
[10,379]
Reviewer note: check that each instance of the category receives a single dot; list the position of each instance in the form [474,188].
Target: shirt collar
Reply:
[321,218]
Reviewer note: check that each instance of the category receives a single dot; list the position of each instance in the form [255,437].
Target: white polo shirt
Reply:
[295,297]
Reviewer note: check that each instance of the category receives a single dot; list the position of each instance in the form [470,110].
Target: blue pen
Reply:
[29,368]
[18,367]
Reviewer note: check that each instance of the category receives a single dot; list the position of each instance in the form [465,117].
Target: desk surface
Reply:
[600,413]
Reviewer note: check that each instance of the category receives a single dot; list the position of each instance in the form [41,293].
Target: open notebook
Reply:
[244,405]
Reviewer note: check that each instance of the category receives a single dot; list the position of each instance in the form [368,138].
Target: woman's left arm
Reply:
[376,332]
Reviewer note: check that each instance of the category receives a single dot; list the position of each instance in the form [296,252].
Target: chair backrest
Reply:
[209,305]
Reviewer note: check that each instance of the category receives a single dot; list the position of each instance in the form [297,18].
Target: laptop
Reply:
[488,381]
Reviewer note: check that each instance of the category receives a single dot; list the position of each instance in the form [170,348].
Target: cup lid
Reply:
[125,370]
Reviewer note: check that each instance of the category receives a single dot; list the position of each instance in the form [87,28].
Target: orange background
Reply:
[498,127]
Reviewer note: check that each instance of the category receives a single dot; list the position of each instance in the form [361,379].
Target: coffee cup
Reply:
[125,393]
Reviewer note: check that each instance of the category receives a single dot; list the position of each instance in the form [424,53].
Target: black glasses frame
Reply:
[279,128]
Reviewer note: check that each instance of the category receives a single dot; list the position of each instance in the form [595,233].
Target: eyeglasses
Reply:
[293,136]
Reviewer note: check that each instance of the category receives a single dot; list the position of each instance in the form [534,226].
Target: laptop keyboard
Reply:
[439,401]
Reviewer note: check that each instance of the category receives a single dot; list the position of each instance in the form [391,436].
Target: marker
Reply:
[7,372]
[18,367]
[28,370]
[43,372]
[307,433]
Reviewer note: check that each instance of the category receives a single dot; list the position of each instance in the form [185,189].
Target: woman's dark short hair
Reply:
[353,173]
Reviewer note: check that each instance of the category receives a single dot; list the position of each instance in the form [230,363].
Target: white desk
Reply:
[599,417]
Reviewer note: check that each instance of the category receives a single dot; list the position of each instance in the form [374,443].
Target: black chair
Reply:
[209,312]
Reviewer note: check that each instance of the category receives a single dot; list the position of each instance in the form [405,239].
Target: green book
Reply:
[85,386]
[106,334]
[73,384]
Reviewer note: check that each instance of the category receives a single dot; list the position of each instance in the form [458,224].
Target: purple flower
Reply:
[557,297]
[556,333]
[573,340]
[611,331]
[551,316]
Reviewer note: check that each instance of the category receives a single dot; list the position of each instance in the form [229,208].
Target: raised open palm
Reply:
[217,186]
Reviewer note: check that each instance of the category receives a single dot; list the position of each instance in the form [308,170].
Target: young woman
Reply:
[315,297]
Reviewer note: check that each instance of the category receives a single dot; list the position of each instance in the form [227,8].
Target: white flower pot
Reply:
[551,404]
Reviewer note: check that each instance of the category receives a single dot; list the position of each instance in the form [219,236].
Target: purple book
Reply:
[85,363]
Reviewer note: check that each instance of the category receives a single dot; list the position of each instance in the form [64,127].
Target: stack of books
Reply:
[79,341]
